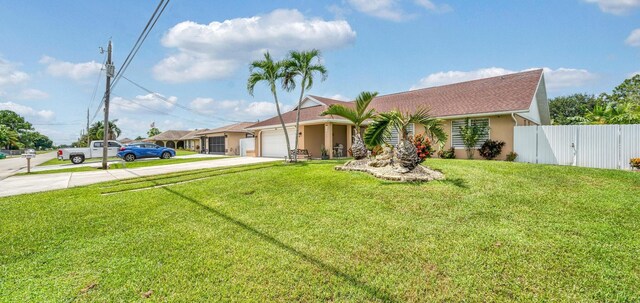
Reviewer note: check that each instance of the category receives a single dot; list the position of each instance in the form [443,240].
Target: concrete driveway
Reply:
[10,166]
[37,183]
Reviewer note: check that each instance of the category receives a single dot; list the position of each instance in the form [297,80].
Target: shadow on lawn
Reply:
[374,292]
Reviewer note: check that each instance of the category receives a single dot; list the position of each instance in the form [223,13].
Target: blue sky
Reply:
[197,55]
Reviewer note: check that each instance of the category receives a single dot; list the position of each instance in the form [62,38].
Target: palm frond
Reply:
[342,111]
[363,100]
[379,130]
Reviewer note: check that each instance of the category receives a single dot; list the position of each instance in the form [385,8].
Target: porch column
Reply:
[164,143]
[301,137]
[328,138]
[349,139]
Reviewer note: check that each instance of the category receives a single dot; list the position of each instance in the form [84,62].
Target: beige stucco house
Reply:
[501,102]
[226,139]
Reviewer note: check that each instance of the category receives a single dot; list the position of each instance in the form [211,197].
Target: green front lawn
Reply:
[128,165]
[182,152]
[55,161]
[494,231]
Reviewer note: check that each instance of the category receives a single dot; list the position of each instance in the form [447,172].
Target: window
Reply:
[456,139]
[113,144]
[395,136]
[97,144]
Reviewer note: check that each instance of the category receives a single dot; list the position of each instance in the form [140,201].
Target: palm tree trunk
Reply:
[358,149]
[295,152]
[286,134]
[407,153]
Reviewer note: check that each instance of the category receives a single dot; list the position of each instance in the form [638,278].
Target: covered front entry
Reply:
[274,143]
[216,145]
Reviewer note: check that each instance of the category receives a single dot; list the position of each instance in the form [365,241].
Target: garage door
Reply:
[274,143]
[216,145]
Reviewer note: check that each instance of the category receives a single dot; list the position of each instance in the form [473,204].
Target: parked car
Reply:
[3,155]
[139,150]
[78,155]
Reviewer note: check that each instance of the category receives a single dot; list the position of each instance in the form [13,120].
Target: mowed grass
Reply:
[55,161]
[128,165]
[494,231]
[183,152]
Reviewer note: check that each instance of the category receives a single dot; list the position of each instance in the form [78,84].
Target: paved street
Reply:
[36,183]
[10,166]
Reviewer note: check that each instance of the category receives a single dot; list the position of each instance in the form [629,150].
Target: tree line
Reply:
[17,133]
[621,106]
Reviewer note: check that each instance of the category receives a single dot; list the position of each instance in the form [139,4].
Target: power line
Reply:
[176,103]
[162,112]
[136,47]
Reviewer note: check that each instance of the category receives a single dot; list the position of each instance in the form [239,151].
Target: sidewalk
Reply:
[37,183]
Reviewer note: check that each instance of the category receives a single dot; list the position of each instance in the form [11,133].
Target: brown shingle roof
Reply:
[191,135]
[239,127]
[169,135]
[508,93]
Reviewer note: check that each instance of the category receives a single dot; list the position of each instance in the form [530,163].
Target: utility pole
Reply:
[110,71]
[88,137]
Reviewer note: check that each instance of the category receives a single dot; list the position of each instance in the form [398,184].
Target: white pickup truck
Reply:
[78,155]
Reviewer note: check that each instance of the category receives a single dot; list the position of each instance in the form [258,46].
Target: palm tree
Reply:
[611,113]
[357,116]
[269,71]
[406,153]
[300,64]
[96,131]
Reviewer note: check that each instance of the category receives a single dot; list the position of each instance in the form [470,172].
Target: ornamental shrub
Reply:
[491,149]
[635,163]
[423,146]
[511,156]
[447,154]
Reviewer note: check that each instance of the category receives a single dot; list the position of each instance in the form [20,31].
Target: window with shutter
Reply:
[456,139]
[395,136]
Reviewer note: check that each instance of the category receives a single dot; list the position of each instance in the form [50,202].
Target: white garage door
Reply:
[274,144]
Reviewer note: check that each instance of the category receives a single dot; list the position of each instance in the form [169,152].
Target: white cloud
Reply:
[76,71]
[217,49]
[237,109]
[143,104]
[634,38]
[10,75]
[32,94]
[555,79]
[392,10]
[617,7]
[28,112]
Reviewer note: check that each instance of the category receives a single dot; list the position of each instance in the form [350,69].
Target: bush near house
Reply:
[635,163]
[490,149]
[423,146]
[511,156]
[447,154]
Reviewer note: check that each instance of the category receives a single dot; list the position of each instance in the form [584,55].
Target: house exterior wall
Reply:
[313,138]
[232,143]
[501,129]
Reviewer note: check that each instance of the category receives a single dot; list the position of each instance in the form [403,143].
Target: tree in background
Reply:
[18,133]
[627,91]
[564,108]
[270,72]
[301,64]
[357,116]
[96,131]
[8,137]
[154,131]
[611,113]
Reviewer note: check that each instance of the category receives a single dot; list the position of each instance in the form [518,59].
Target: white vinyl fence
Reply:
[599,146]
[247,144]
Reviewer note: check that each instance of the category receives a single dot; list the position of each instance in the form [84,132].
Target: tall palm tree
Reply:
[269,71]
[406,153]
[357,116]
[301,64]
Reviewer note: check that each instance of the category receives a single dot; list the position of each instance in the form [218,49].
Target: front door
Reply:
[216,145]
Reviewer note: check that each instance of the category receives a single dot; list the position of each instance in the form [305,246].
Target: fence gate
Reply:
[599,146]
[246,144]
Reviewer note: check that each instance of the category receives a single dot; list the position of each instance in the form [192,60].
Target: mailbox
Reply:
[29,156]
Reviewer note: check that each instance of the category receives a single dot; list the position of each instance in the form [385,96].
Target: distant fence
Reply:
[599,146]
[247,144]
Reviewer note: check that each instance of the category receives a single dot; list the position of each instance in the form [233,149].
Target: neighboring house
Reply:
[501,102]
[192,140]
[125,141]
[170,138]
[224,140]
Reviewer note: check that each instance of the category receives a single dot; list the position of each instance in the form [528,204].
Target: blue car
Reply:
[145,150]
